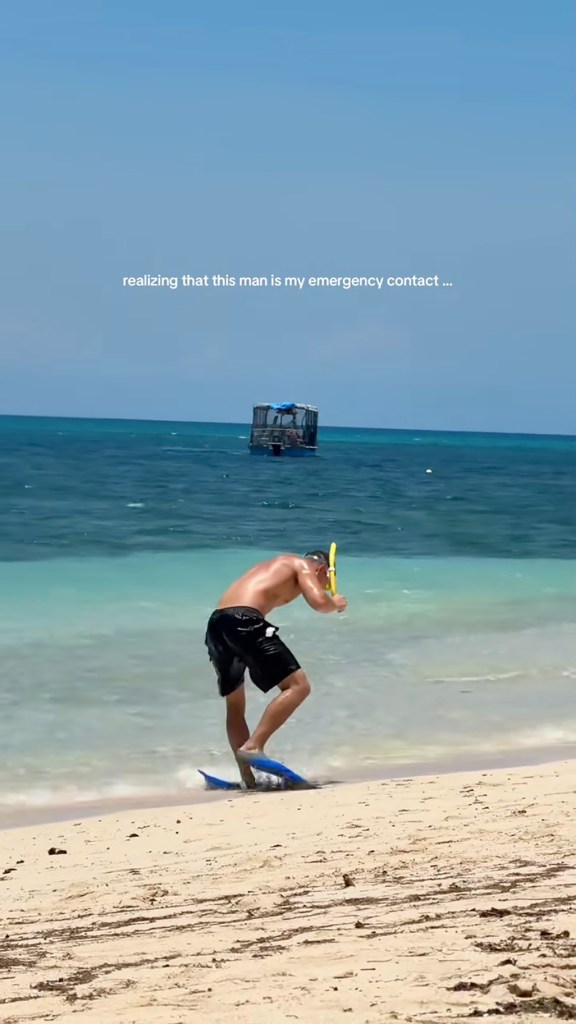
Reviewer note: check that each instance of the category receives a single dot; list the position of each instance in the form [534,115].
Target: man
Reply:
[239,637]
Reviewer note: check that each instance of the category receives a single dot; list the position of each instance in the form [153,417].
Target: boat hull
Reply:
[288,453]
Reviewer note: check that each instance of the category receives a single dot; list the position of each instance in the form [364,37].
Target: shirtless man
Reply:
[239,637]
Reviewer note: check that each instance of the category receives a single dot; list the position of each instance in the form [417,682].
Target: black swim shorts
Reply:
[240,638]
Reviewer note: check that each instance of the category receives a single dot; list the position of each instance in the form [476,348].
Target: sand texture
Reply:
[439,898]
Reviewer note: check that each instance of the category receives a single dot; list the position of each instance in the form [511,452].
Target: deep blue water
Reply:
[97,488]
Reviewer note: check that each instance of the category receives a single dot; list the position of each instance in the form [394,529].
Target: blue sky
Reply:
[322,139]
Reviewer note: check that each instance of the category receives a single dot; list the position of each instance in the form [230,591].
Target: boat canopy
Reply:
[284,406]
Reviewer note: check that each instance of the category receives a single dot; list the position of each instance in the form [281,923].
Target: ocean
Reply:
[456,553]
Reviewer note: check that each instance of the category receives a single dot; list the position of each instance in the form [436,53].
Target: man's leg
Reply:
[237,730]
[236,725]
[293,690]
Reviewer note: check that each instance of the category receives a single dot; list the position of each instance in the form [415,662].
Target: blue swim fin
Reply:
[213,782]
[271,767]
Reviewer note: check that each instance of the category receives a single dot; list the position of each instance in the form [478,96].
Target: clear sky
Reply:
[303,138]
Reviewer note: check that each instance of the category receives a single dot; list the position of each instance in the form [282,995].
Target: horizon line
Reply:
[247,423]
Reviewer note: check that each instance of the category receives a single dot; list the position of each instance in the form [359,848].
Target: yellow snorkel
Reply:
[332,569]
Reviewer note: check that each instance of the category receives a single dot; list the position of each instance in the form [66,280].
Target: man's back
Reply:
[266,585]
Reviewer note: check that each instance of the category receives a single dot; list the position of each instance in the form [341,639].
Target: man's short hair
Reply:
[319,556]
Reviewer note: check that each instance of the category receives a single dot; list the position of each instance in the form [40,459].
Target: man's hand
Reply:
[340,602]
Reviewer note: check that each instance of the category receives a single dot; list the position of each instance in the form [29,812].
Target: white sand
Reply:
[236,911]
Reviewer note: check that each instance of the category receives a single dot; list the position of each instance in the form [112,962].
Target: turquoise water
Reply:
[116,539]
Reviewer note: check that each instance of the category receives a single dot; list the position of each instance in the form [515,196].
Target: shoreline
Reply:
[53,814]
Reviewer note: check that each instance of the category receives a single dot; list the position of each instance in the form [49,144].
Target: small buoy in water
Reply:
[428,470]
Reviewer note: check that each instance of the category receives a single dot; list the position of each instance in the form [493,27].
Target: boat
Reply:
[284,428]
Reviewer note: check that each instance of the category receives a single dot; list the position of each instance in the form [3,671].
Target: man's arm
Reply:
[313,593]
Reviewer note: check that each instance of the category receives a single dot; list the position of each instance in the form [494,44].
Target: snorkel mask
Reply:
[328,559]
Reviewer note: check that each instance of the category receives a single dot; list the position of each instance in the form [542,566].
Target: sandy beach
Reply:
[437,898]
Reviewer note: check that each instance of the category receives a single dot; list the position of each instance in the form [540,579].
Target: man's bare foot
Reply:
[249,754]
